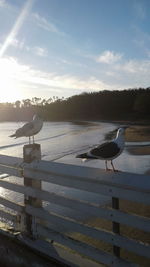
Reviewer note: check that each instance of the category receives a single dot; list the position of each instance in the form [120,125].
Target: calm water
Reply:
[61,141]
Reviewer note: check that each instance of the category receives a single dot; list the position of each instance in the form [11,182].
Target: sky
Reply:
[66,47]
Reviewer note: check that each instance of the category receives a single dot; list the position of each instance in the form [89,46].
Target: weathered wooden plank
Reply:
[82,248]
[127,180]
[116,226]
[58,253]
[120,179]
[14,187]
[11,165]
[7,215]
[12,205]
[112,238]
[136,221]
[121,185]
[110,214]
[90,185]
[140,222]
[49,171]
[30,153]
[10,161]
[11,170]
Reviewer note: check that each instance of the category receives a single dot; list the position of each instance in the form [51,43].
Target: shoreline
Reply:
[130,122]
[115,121]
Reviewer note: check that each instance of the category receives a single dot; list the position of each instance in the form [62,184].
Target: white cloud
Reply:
[128,74]
[110,73]
[25,78]
[139,67]
[109,57]
[17,43]
[46,25]
[39,51]
[38,77]
[131,74]
[19,77]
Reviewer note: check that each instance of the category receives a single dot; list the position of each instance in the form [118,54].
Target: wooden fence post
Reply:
[31,152]
[116,226]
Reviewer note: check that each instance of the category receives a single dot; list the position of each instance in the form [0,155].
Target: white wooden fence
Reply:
[45,228]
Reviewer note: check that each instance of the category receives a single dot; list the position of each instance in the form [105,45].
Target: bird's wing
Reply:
[24,129]
[28,126]
[105,150]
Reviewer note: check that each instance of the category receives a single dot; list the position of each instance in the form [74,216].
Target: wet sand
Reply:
[138,133]
[139,151]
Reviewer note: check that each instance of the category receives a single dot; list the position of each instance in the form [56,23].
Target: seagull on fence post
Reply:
[107,151]
[29,129]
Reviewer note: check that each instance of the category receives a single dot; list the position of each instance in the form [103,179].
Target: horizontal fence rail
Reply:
[92,180]
[53,226]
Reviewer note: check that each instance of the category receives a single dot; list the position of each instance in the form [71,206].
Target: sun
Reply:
[9,90]
[9,87]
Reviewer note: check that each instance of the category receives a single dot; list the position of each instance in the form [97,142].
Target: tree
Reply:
[142,103]
[18,104]
[26,102]
[43,102]
[36,100]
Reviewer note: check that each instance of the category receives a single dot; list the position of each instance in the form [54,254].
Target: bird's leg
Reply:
[107,169]
[29,140]
[113,167]
[106,165]
[33,139]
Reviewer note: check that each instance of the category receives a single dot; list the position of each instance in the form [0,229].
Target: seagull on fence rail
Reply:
[30,128]
[107,151]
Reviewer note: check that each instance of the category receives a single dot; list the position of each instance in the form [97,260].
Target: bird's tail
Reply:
[82,156]
[13,135]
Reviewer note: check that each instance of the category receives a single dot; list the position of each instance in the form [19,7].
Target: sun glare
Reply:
[9,88]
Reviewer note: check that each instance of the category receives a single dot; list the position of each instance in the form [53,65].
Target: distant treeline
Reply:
[131,104]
